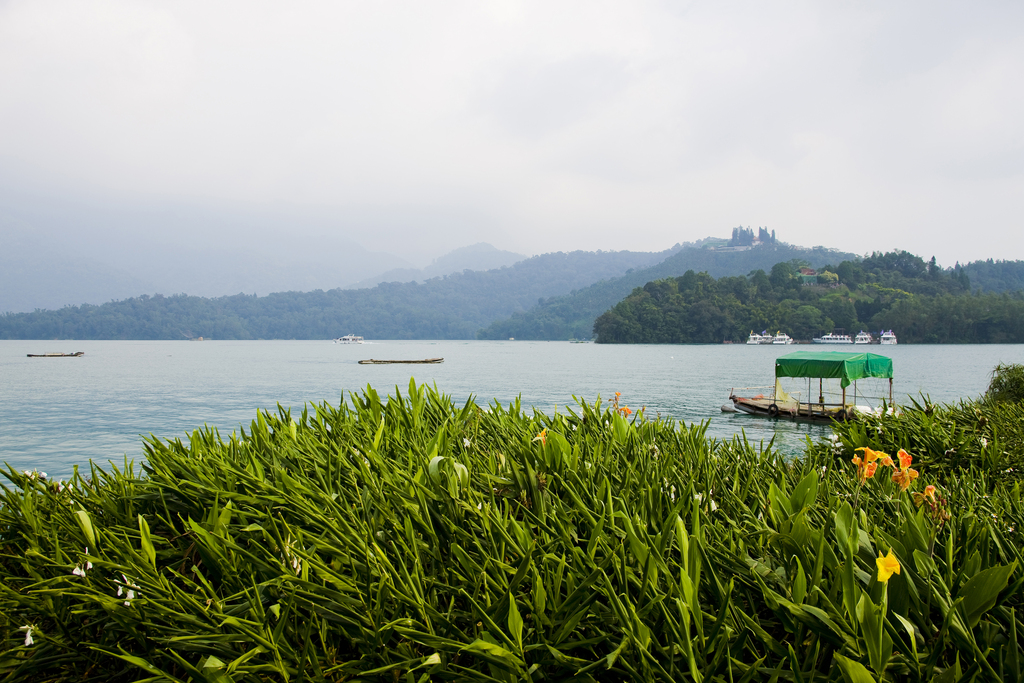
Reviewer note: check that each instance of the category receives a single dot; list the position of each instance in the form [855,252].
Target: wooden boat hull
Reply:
[374,361]
[76,354]
[767,407]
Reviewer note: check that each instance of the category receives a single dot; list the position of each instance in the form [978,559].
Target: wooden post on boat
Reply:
[890,392]
[844,398]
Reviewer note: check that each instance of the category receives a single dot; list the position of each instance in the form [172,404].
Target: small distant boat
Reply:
[349,339]
[782,338]
[579,341]
[888,338]
[76,354]
[833,339]
[756,339]
[374,361]
[863,338]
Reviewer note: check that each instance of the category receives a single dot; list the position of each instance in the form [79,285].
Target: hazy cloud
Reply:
[416,128]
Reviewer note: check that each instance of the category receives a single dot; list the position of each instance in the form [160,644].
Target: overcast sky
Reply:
[417,127]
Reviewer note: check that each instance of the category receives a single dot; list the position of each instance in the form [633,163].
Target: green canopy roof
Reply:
[845,366]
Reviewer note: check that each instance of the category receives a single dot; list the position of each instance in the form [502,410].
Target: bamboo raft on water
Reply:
[374,361]
[76,354]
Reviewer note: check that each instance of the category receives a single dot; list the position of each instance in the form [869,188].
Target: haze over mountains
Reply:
[55,254]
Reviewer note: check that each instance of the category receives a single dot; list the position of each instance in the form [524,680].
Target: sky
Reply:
[414,127]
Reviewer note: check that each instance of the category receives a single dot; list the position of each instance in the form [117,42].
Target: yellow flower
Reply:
[542,437]
[887,566]
[870,455]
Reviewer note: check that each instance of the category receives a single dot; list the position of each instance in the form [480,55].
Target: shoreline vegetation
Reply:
[406,538]
[898,291]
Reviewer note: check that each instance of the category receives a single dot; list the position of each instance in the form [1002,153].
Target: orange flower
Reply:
[542,437]
[887,566]
[906,475]
[905,459]
[867,465]
[929,494]
[887,461]
[905,478]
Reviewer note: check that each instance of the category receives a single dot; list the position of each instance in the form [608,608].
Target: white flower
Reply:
[28,628]
[83,567]
[714,505]
[466,442]
[984,442]
[128,591]
[291,558]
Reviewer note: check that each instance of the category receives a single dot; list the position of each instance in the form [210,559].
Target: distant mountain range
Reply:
[455,306]
[480,256]
[551,296]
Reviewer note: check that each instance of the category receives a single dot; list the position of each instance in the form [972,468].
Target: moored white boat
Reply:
[782,338]
[833,339]
[349,339]
[755,339]
[888,338]
[863,338]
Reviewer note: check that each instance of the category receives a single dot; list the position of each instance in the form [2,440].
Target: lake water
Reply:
[59,412]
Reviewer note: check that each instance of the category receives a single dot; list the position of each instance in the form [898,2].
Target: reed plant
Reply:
[407,538]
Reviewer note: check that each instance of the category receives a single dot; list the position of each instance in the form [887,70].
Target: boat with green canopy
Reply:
[837,396]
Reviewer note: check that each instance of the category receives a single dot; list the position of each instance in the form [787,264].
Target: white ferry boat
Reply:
[833,339]
[349,339]
[754,339]
[888,338]
[782,338]
[863,338]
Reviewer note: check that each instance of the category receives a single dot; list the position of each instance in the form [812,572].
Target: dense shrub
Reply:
[1007,383]
[408,539]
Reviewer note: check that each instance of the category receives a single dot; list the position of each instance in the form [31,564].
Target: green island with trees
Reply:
[406,538]
[897,290]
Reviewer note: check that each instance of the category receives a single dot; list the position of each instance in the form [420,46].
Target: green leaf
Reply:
[85,522]
[495,654]
[147,542]
[515,622]
[853,671]
[979,594]
[805,492]
[872,624]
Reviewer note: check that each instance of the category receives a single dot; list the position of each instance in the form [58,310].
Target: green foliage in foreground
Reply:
[408,539]
[1007,384]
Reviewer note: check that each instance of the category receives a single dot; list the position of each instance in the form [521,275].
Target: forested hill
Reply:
[897,290]
[573,315]
[996,276]
[452,307]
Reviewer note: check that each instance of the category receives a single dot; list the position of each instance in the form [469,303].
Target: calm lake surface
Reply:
[56,413]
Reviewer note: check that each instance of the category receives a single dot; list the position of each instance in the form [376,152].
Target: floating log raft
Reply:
[76,354]
[374,361]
